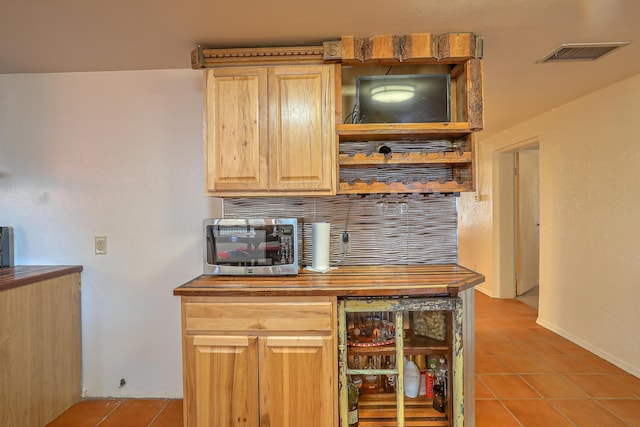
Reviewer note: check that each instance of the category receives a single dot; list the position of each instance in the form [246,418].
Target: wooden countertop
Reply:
[383,280]
[12,277]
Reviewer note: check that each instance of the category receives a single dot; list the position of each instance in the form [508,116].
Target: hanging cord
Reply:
[344,232]
[353,115]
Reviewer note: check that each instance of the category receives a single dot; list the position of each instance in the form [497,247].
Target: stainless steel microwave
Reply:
[251,246]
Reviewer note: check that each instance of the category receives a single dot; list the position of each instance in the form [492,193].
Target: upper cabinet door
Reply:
[302,139]
[236,123]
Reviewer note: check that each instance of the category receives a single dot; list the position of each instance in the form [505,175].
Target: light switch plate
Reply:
[101,245]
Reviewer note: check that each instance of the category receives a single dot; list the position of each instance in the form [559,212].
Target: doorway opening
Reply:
[518,220]
[527,207]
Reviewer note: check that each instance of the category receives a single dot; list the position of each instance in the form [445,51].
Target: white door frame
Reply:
[504,237]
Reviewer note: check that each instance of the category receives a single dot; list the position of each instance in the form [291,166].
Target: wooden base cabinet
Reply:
[260,362]
[40,344]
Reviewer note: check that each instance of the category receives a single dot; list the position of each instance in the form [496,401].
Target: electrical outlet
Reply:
[346,242]
[101,245]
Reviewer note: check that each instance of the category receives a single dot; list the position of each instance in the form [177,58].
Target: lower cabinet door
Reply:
[226,381]
[297,381]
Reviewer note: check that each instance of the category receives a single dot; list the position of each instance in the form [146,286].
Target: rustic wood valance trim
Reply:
[424,48]
[209,58]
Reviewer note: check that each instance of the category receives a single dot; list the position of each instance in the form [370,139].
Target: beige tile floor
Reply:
[526,376]
[122,413]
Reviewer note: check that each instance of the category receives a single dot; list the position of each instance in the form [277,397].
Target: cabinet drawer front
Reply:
[220,341]
[276,316]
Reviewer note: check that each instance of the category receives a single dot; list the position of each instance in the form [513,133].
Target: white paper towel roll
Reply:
[320,245]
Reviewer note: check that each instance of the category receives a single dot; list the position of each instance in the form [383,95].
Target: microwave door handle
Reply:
[210,251]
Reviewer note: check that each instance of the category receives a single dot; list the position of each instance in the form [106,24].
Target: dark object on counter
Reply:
[6,247]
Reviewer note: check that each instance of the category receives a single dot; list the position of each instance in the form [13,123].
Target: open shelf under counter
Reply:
[379,410]
[412,346]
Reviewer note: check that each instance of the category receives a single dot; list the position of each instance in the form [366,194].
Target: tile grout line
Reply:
[510,413]
[153,420]
[566,417]
[624,420]
[116,406]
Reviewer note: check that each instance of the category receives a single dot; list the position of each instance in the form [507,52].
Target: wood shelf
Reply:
[362,159]
[375,187]
[415,146]
[412,346]
[380,410]
[401,131]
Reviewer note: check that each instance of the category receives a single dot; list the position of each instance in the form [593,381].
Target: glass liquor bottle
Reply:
[352,414]
[370,381]
[440,386]
[411,377]
[389,379]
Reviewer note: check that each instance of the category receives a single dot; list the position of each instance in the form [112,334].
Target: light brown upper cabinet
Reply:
[270,130]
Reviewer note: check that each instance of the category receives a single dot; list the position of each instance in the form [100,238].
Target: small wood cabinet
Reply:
[270,130]
[433,157]
[259,362]
[403,328]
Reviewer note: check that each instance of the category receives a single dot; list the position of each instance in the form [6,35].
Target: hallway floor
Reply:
[530,297]
[526,376]
[529,376]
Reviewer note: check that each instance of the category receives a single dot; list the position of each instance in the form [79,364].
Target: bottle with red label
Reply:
[430,381]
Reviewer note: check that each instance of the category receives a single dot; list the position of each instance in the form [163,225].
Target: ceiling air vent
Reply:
[580,51]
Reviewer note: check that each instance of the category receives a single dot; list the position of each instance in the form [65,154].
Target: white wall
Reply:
[590,220]
[116,154]
[120,154]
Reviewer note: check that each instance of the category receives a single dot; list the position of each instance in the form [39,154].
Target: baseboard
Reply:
[486,292]
[633,370]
